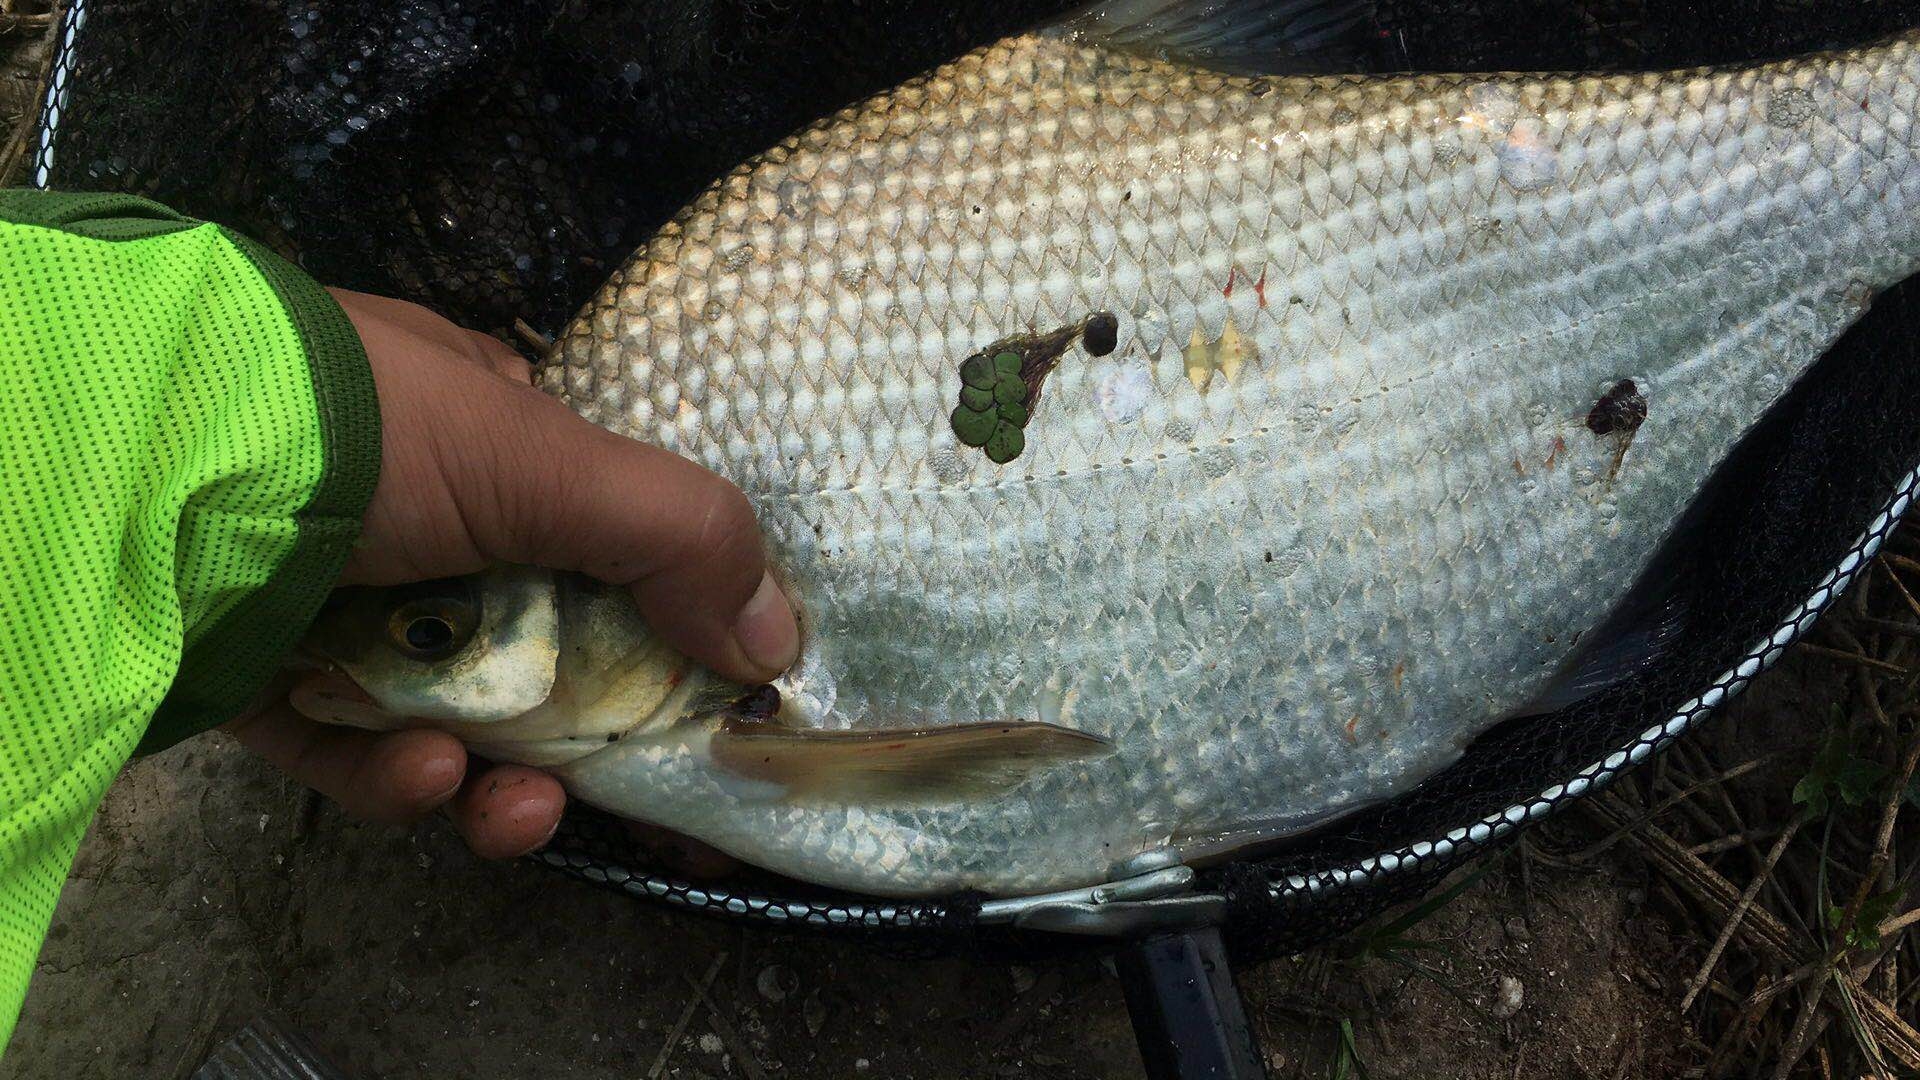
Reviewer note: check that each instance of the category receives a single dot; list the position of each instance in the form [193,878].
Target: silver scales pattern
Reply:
[1291,567]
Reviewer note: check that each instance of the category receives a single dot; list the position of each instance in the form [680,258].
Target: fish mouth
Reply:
[331,696]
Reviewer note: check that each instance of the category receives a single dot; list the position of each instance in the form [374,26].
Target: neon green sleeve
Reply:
[188,438]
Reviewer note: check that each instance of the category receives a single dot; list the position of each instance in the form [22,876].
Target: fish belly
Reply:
[1331,507]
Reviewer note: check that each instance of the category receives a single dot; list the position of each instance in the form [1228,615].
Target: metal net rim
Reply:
[47,125]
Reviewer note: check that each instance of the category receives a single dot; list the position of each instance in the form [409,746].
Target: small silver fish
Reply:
[1159,456]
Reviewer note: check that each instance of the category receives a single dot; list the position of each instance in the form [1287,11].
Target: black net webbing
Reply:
[494,159]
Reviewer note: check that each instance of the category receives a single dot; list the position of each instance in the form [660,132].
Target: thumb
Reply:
[572,496]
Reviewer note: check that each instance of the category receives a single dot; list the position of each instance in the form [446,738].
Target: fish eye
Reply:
[429,634]
[432,621]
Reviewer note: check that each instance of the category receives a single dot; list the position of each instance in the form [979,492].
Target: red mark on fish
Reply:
[1228,291]
[1260,287]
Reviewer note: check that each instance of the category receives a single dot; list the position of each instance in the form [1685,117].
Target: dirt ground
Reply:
[212,891]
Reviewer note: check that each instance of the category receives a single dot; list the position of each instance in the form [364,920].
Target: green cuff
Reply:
[230,664]
[100,215]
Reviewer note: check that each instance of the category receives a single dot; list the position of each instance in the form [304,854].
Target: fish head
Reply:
[469,650]
[528,664]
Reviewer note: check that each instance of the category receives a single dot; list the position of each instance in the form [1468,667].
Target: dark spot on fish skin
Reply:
[1260,87]
[1269,556]
[1622,408]
[613,736]
[1102,333]
[1619,412]
[1128,197]
[976,209]
[493,787]
[760,703]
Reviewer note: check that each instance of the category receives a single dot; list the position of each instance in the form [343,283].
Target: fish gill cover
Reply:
[496,159]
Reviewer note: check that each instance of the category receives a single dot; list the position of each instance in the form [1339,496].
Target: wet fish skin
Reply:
[1330,508]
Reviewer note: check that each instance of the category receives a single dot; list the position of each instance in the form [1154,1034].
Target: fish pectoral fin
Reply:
[1622,650]
[1247,37]
[894,767]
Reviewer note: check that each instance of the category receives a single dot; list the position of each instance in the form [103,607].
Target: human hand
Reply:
[478,467]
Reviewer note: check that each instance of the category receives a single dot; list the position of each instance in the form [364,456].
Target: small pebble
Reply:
[1518,930]
[711,1044]
[1512,996]
[776,981]
[1023,979]
[814,1012]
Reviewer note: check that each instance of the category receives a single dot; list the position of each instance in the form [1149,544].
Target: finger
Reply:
[499,357]
[683,539]
[393,777]
[508,810]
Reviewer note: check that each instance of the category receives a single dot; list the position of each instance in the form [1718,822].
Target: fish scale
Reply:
[1328,509]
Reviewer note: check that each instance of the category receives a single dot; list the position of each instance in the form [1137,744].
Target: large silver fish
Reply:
[1166,457]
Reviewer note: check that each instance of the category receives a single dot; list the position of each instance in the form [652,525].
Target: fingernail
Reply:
[445,788]
[765,630]
[545,840]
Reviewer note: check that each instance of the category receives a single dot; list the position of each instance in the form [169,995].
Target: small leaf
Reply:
[1014,413]
[973,428]
[1857,780]
[1836,773]
[1007,363]
[1874,910]
[1811,793]
[1010,390]
[1005,444]
[1864,931]
[978,371]
[977,398]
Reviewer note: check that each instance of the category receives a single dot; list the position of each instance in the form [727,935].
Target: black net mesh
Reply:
[495,158]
